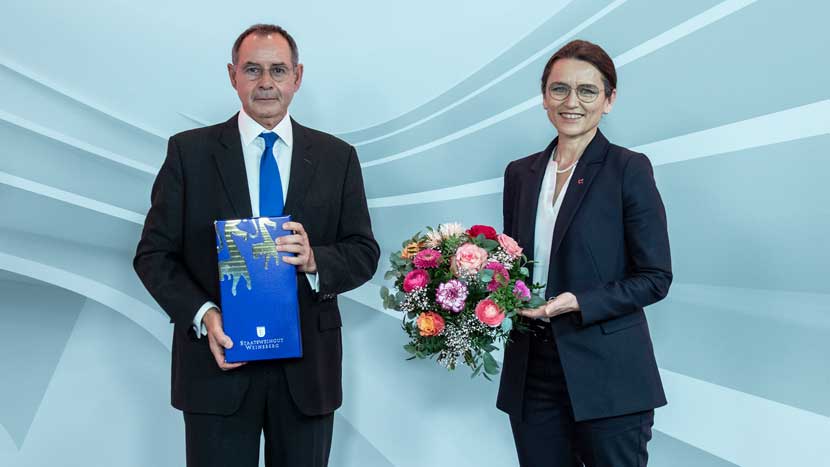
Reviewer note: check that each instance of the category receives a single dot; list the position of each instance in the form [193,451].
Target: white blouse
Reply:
[546,212]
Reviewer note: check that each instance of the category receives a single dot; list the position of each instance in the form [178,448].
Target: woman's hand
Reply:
[561,304]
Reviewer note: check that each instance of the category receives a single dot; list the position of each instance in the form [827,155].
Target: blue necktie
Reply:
[270,185]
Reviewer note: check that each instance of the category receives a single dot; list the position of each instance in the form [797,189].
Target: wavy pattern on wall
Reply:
[706,91]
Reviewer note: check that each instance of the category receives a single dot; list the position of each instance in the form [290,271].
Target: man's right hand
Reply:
[218,340]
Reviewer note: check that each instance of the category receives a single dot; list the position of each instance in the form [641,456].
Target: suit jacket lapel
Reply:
[227,153]
[529,199]
[303,165]
[581,180]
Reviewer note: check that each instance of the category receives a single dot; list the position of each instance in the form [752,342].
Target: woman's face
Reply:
[575,97]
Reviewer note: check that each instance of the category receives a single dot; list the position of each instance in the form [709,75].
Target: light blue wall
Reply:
[729,99]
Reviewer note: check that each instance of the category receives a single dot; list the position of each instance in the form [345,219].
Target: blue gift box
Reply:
[260,311]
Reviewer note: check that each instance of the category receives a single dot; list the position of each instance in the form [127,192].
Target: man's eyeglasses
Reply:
[278,72]
[586,93]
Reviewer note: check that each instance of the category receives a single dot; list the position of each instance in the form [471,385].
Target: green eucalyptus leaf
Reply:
[489,245]
[536,301]
[486,275]
[489,360]
[491,366]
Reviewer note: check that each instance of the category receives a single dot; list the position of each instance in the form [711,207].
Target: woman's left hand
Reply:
[561,304]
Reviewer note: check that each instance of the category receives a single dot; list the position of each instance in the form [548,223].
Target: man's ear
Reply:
[298,77]
[232,74]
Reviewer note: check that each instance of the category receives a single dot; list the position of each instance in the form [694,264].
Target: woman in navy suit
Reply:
[581,387]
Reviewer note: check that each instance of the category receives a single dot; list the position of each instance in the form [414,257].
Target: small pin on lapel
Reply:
[580,181]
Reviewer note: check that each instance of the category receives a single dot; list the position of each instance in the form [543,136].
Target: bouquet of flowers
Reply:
[460,292]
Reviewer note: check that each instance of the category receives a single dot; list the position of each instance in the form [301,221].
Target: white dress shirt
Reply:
[252,148]
[547,210]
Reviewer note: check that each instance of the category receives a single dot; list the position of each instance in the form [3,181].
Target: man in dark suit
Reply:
[260,162]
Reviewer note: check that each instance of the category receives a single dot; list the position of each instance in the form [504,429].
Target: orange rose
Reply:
[430,323]
[411,250]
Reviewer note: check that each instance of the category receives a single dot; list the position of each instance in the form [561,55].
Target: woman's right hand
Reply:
[559,305]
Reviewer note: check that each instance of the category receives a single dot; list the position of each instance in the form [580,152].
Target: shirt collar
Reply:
[249,129]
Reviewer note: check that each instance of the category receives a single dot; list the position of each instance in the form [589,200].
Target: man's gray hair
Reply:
[263,30]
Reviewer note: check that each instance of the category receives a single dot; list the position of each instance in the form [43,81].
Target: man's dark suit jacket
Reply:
[203,179]
[610,248]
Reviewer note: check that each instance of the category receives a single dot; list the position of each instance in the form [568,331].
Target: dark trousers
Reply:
[547,434]
[292,439]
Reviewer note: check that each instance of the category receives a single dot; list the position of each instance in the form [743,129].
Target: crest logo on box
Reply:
[260,331]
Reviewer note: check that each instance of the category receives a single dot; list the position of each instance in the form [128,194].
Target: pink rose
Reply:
[470,257]
[416,279]
[509,245]
[489,313]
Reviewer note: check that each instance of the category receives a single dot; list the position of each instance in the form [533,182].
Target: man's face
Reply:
[264,77]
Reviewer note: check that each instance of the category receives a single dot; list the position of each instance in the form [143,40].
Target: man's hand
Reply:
[561,304]
[218,340]
[297,243]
